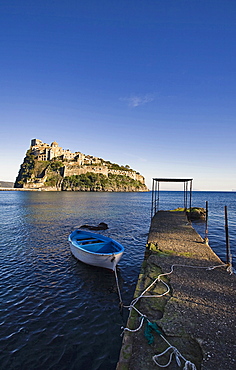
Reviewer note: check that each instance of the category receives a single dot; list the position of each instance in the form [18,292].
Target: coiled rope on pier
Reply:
[173,351]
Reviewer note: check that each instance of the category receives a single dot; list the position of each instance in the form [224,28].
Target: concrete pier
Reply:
[197,316]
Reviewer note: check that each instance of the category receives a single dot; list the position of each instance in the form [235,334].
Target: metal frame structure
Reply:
[156,192]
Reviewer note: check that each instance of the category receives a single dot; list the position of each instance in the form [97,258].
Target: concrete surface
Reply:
[197,316]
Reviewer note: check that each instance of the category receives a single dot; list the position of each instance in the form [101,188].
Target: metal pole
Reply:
[152,198]
[206,226]
[227,237]
[185,195]
[155,196]
[155,192]
[190,201]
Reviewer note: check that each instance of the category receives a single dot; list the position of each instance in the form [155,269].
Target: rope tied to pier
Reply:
[174,352]
[188,365]
[118,287]
[148,331]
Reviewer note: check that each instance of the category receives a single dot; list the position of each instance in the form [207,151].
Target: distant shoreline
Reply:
[69,191]
[19,189]
[149,191]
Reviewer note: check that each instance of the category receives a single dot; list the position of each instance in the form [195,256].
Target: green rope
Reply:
[148,331]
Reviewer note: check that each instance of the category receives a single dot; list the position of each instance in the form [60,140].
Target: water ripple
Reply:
[57,312]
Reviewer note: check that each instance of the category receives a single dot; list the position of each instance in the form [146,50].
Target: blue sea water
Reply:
[58,313]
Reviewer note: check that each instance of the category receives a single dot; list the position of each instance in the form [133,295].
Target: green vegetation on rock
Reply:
[32,169]
[26,170]
[193,213]
[98,182]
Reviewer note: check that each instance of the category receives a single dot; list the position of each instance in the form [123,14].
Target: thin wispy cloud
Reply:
[137,100]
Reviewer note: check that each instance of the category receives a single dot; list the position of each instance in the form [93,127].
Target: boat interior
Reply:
[96,245]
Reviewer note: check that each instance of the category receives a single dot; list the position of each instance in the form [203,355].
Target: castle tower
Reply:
[35,142]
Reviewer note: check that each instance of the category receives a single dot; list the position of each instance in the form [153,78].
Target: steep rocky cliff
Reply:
[44,169]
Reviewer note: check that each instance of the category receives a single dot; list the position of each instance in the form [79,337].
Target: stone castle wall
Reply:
[74,169]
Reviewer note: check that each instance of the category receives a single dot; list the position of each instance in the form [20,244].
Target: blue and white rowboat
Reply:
[95,249]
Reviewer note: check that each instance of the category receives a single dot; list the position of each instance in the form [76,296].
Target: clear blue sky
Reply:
[147,83]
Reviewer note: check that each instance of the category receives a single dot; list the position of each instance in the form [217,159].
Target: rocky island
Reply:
[49,167]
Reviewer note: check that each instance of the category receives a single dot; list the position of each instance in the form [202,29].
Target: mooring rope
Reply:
[118,288]
[174,351]
[188,365]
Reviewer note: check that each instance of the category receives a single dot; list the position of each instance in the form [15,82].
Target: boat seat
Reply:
[89,241]
[92,247]
[107,248]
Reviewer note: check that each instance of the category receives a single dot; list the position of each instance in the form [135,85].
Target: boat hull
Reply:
[108,260]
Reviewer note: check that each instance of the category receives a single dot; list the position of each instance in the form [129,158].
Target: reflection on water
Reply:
[56,312]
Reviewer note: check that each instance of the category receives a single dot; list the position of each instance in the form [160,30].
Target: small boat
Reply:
[95,249]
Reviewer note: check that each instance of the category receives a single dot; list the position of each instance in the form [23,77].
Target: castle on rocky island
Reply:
[46,152]
[44,161]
